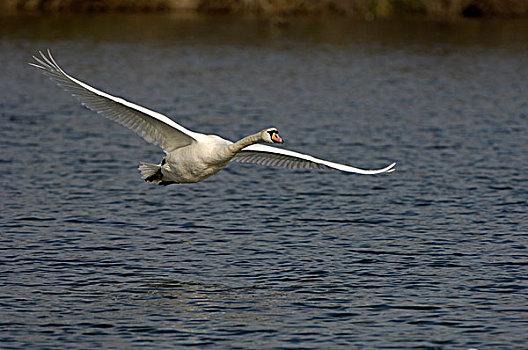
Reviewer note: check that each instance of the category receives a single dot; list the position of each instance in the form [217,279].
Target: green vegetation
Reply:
[368,9]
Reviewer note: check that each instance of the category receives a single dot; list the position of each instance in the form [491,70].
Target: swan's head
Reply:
[271,135]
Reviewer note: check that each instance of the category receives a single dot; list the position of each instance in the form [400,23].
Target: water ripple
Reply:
[432,256]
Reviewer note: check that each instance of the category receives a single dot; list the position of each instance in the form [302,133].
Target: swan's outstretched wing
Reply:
[152,126]
[266,155]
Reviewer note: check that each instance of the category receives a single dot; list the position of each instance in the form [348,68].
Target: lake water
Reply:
[432,256]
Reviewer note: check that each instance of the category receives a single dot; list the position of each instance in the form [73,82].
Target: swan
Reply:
[189,156]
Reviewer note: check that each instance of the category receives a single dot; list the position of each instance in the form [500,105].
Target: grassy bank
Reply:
[439,9]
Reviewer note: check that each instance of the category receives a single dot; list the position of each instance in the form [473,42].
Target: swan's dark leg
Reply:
[154,177]
[158,176]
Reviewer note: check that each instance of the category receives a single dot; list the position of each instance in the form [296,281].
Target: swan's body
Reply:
[190,156]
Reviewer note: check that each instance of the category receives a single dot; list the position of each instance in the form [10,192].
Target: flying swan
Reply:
[189,156]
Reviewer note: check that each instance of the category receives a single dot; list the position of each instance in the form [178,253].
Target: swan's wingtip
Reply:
[388,169]
[391,168]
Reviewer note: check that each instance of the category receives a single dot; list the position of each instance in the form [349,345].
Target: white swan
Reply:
[190,156]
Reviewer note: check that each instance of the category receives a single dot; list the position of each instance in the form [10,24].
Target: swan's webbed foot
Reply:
[155,177]
[166,183]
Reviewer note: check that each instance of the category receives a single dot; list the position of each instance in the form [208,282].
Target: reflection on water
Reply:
[430,256]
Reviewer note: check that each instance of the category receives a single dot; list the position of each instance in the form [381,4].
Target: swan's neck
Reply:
[246,141]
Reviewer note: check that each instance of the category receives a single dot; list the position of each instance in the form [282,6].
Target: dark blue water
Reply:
[432,256]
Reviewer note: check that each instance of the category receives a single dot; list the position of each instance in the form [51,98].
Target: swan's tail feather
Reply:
[151,173]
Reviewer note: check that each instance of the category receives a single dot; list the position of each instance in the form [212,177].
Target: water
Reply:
[432,256]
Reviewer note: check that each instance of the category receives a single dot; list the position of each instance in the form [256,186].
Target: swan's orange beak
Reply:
[276,138]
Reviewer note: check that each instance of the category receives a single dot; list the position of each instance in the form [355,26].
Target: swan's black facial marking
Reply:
[275,137]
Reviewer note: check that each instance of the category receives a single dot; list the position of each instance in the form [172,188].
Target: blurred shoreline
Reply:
[360,9]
